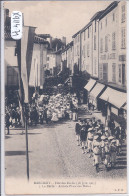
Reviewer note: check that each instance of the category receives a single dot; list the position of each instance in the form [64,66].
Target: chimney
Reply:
[64,40]
[50,42]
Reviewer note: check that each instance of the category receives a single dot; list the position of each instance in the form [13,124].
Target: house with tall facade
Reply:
[111,58]
[37,63]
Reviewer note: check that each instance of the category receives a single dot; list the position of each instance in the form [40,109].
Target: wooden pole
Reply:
[26,134]
[24,106]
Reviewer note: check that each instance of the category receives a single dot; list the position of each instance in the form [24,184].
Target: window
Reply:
[106,21]
[78,50]
[113,17]
[106,43]
[48,58]
[120,74]
[113,41]
[84,35]
[78,38]
[100,71]
[123,13]
[101,25]
[84,51]
[88,50]
[95,66]
[88,32]
[101,45]
[123,74]
[94,42]
[105,72]
[95,25]
[113,72]
[123,42]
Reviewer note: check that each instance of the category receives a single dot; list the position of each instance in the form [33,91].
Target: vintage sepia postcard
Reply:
[65,102]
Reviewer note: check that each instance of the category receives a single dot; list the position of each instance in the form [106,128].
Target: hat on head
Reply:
[103,137]
[96,137]
[99,131]
[113,141]
[111,138]
[90,129]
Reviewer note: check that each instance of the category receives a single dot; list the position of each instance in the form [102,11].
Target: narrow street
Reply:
[53,152]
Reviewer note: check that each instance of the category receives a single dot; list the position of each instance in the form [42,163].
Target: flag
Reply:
[25,49]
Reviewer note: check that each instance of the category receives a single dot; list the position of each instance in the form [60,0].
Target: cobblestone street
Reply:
[53,152]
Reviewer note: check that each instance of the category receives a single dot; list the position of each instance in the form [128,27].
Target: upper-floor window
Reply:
[119,73]
[88,33]
[123,38]
[106,43]
[88,50]
[123,13]
[84,51]
[113,16]
[84,35]
[78,37]
[106,21]
[94,42]
[78,50]
[101,25]
[95,25]
[113,72]
[113,41]
[101,45]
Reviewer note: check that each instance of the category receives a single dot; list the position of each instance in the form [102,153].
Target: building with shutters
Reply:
[112,45]
[77,51]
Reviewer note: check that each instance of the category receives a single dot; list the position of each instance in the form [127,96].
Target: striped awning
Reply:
[90,84]
[114,97]
[97,89]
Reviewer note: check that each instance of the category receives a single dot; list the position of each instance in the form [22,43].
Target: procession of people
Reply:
[101,143]
[43,109]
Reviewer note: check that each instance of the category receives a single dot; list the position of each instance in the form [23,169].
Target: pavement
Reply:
[53,152]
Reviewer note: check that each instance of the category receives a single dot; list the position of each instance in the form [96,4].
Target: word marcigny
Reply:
[16,25]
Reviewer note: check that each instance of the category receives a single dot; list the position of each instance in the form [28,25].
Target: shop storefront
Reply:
[89,86]
[94,93]
[114,101]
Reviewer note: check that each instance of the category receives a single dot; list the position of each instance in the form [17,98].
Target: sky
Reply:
[58,18]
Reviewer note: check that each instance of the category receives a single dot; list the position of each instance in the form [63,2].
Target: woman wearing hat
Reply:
[97,152]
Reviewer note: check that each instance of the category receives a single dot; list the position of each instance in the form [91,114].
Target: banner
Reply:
[26,58]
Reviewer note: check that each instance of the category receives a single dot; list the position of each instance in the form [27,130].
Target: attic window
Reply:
[113,17]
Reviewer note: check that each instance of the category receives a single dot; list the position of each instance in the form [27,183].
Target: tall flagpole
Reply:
[23,105]
[26,133]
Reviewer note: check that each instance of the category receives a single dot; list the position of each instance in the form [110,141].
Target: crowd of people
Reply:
[102,143]
[62,107]
[12,116]
[43,108]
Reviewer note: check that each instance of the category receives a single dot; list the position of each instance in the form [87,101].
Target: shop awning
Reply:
[114,97]
[97,89]
[90,84]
